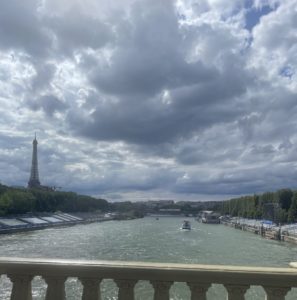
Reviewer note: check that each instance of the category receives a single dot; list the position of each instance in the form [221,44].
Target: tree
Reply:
[281,216]
[5,202]
[21,202]
[285,198]
[292,213]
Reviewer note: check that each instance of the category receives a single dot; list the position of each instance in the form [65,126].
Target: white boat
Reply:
[186,225]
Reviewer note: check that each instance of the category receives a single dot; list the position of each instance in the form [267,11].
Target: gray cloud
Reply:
[155,94]
[148,54]
[75,30]
[49,104]
[43,77]
[21,29]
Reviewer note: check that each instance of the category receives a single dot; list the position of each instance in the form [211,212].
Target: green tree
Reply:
[5,203]
[284,197]
[292,213]
[21,202]
[281,216]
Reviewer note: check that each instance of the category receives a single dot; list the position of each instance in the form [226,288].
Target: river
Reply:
[147,240]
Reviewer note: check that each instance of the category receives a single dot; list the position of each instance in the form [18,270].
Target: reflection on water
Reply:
[148,240]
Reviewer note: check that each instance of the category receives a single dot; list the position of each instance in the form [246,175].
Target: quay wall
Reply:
[291,239]
[269,233]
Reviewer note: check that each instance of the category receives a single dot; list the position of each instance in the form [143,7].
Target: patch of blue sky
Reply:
[181,17]
[248,41]
[287,71]
[254,14]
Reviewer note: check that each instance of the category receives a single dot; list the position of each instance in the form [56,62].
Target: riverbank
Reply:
[30,222]
[268,230]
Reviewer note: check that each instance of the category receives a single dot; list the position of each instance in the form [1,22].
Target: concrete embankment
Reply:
[291,239]
[266,232]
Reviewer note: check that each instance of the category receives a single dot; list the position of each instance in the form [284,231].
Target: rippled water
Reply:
[152,241]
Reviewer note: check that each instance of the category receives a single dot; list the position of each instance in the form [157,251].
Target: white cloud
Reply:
[274,46]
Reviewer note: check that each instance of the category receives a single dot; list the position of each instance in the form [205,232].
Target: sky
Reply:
[190,100]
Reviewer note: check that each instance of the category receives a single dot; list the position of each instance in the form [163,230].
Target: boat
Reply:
[186,225]
[209,217]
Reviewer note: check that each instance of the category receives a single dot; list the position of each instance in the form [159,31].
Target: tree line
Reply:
[20,201]
[279,206]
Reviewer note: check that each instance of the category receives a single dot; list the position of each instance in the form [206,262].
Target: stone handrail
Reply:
[237,280]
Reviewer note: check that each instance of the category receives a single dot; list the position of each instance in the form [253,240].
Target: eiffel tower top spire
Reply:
[34,177]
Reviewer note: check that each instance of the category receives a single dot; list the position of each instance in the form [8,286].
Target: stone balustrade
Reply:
[237,280]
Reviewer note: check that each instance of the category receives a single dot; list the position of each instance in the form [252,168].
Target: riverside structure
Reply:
[42,221]
[266,229]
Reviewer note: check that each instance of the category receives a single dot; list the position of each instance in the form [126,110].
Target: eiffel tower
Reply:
[34,177]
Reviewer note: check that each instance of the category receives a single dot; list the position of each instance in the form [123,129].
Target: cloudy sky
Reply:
[149,99]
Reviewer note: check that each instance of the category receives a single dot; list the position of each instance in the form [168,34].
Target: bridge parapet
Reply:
[236,279]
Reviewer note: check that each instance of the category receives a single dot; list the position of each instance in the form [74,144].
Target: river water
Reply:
[148,240]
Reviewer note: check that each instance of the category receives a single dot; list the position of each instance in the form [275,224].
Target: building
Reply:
[170,211]
[210,217]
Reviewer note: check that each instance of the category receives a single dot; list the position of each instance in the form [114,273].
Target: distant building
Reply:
[159,203]
[34,176]
[170,211]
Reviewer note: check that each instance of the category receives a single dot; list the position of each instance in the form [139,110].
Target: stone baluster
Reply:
[21,289]
[55,287]
[236,292]
[126,289]
[161,289]
[276,293]
[198,290]
[91,288]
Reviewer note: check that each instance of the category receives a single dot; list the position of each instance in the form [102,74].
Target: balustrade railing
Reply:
[199,278]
